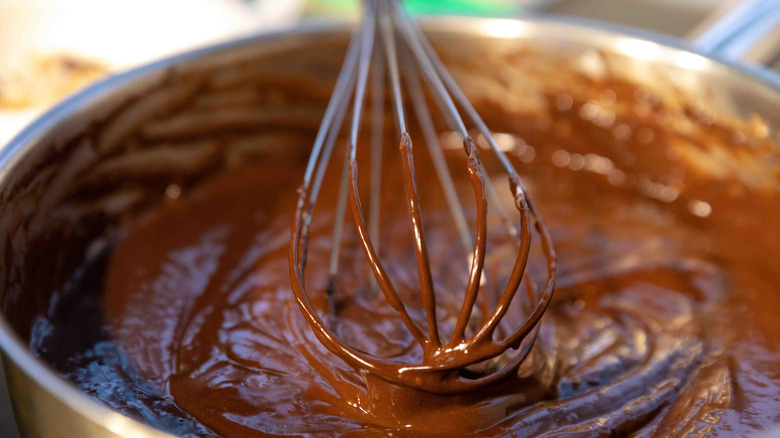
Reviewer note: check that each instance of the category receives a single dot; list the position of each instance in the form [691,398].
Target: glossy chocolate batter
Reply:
[664,323]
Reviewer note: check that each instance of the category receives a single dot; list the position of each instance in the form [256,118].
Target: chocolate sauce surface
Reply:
[664,320]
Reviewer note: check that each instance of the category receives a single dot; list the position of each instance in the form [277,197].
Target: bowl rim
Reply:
[12,346]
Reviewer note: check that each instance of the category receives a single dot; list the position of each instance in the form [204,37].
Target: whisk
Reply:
[385,36]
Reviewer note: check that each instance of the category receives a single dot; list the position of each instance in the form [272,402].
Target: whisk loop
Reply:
[404,54]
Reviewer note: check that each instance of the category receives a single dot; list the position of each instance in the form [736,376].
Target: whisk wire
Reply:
[338,230]
[443,365]
[357,210]
[325,142]
[415,37]
[406,151]
[444,175]
[388,37]
[377,133]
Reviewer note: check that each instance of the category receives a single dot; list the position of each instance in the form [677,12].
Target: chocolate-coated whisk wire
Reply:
[377,133]
[394,45]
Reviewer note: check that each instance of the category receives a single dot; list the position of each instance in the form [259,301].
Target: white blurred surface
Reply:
[127,33]
[11,121]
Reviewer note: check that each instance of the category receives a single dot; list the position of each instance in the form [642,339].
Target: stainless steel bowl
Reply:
[49,406]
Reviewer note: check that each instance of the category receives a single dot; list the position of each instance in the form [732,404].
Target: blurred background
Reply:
[51,48]
[48,48]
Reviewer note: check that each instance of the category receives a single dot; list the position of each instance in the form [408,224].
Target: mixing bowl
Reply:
[75,175]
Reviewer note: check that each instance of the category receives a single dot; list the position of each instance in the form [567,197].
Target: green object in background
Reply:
[457,7]
[465,7]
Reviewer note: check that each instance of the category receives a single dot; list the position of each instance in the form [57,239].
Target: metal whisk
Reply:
[444,363]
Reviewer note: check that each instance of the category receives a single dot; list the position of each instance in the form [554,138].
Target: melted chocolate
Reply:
[664,320]
[467,361]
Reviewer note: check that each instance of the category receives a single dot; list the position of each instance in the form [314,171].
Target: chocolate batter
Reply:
[664,321]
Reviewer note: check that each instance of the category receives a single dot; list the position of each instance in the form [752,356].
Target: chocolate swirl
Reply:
[664,321]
